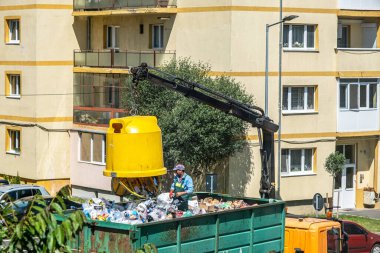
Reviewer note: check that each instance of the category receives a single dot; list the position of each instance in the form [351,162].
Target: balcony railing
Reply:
[358,59]
[359,5]
[93,5]
[96,116]
[121,59]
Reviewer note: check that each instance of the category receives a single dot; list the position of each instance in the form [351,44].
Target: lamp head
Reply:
[288,18]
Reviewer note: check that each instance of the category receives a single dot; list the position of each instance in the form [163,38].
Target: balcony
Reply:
[100,97]
[96,5]
[121,59]
[369,5]
[357,45]
[96,116]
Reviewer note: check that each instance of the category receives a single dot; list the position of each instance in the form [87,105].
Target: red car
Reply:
[359,239]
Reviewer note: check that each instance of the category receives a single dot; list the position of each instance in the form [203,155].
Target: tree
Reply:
[334,165]
[193,133]
[38,230]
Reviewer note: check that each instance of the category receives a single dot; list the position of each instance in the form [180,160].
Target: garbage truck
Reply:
[257,227]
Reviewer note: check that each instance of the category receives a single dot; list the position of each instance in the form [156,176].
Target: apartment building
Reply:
[36,90]
[329,81]
[329,102]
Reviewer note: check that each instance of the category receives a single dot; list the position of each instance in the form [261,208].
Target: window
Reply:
[356,94]
[12,30]
[299,36]
[352,229]
[12,88]
[158,36]
[298,99]
[112,37]
[13,141]
[296,161]
[348,151]
[92,148]
[343,36]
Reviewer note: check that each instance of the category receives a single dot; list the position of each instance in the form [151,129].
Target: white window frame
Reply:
[14,134]
[303,171]
[17,77]
[304,110]
[359,82]
[111,42]
[290,38]
[103,162]
[161,35]
[10,32]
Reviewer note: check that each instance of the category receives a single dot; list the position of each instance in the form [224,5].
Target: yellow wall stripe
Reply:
[256,8]
[37,6]
[36,63]
[301,73]
[36,120]
[320,135]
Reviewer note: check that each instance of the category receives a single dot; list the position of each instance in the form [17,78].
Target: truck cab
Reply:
[312,235]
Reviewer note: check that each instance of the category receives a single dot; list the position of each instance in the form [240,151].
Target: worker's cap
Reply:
[179,167]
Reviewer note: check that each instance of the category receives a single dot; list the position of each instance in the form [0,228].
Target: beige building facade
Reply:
[36,87]
[330,76]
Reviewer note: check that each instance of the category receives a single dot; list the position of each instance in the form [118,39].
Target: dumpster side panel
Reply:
[100,239]
[252,229]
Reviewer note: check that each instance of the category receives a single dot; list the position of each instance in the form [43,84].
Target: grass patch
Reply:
[372,225]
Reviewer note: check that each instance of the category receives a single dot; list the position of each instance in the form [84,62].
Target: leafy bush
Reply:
[38,230]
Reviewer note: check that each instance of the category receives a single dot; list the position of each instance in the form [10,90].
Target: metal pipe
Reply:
[266,70]
[278,195]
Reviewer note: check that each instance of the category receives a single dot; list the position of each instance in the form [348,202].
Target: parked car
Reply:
[359,239]
[12,192]
[21,206]
[4,182]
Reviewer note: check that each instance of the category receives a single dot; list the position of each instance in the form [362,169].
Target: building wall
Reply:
[44,111]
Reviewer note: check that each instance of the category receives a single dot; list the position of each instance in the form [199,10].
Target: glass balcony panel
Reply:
[92,59]
[133,58]
[79,4]
[162,58]
[105,59]
[153,3]
[120,59]
[148,58]
[120,114]
[80,59]
[119,4]
[92,117]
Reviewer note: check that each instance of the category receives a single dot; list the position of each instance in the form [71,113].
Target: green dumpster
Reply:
[258,228]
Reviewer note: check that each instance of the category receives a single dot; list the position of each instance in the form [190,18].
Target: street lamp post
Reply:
[287,18]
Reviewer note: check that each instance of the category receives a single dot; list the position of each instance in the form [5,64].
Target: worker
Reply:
[182,187]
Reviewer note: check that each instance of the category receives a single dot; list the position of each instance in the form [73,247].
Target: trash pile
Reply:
[162,208]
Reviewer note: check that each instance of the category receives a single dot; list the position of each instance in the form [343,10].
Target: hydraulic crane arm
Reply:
[252,114]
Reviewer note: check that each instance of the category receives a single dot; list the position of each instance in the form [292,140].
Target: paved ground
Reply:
[370,213]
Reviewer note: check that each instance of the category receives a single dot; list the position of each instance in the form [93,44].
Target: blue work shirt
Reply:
[186,181]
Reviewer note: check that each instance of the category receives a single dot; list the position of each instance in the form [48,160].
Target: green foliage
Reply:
[38,230]
[147,248]
[194,133]
[13,179]
[334,163]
